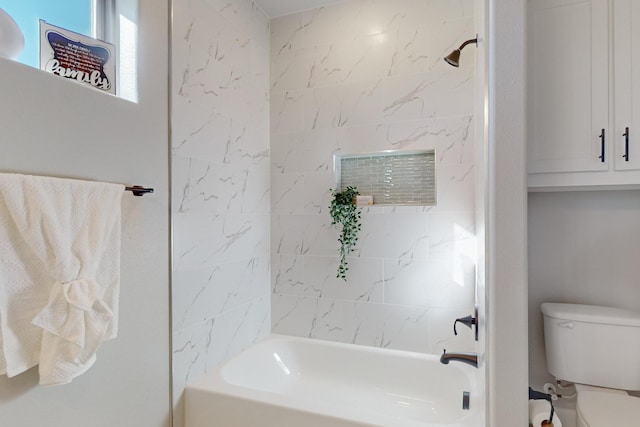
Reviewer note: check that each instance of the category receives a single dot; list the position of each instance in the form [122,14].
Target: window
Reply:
[114,21]
[76,15]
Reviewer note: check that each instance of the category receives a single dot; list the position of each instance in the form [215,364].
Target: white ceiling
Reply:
[275,8]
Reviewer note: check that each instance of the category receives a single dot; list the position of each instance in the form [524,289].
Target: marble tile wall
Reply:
[220,184]
[358,77]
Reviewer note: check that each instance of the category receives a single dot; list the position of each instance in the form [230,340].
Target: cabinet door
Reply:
[567,86]
[626,41]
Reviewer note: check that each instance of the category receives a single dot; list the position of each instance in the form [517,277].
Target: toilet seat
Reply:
[602,409]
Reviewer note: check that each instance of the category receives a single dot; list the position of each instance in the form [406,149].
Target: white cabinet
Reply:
[626,60]
[568,90]
[583,93]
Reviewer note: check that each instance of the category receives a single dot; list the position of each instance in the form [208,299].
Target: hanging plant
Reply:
[344,211]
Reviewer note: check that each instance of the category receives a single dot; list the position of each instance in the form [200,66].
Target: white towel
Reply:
[59,273]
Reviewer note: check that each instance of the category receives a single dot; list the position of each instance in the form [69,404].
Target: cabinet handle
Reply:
[626,144]
[601,156]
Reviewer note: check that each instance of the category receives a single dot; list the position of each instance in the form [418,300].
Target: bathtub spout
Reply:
[468,358]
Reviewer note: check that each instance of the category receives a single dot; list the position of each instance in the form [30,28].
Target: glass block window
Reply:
[392,178]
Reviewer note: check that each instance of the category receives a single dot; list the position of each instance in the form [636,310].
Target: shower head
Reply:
[454,57]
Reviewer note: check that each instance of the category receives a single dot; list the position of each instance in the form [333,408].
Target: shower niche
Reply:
[394,177]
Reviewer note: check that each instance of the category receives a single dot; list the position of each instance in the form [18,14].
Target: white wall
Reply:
[358,77]
[507,351]
[481,184]
[55,127]
[220,183]
[584,247]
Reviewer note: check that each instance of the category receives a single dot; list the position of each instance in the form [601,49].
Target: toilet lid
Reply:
[601,409]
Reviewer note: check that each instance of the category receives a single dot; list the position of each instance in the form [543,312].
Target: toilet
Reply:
[598,349]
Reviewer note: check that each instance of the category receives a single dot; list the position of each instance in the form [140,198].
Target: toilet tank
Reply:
[594,345]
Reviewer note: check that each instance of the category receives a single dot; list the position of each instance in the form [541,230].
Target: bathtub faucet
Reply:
[468,358]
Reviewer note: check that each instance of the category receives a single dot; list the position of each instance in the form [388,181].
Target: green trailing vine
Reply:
[344,211]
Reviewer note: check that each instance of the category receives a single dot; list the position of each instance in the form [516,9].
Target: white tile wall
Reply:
[220,181]
[357,77]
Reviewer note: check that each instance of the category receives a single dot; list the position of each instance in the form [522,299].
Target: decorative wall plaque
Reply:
[77,57]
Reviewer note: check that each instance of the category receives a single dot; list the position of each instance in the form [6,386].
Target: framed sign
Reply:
[77,57]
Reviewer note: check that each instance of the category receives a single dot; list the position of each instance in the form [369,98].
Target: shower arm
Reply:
[468,42]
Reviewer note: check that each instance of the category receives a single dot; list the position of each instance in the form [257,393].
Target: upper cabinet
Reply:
[626,66]
[583,94]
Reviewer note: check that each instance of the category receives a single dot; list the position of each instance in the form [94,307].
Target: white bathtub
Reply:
[297,382]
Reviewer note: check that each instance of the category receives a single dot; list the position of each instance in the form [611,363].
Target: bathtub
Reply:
[297,382]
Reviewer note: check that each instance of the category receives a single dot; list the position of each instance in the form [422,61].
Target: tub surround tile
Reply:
[287,111]
[452,236]
[409,328]
[201,241]
[195,186]
[316,277]
[317,197]
[293,70]
[303,235]
[438,93]
[201,186]
[221,191]
[288,276]
[430,284]
[204,294]
[320,318]
[387,326]
[203,134]
[238,329]
[440,331]
[339,106]
[293,315]
[394,236]
[361,18]
[291,189]
[455,187]
[305,151]
[449,136]
[202,346]
[360,77]
[189,360]
[446,35]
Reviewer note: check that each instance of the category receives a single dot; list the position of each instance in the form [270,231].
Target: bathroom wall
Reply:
[481,12]
[220,184]
[51,126]
[506,353]
[584,247]
[359,77]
